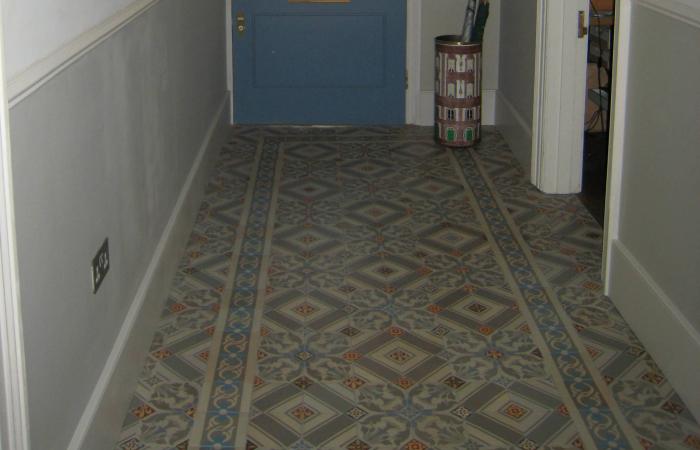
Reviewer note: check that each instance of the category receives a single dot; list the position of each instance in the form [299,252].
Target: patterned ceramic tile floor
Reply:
[365,288]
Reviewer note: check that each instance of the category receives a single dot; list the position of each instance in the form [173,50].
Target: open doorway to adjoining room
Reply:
[598,90]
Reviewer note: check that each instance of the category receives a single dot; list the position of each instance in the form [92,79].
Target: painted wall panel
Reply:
[660,199]
[102,150]
[517,55]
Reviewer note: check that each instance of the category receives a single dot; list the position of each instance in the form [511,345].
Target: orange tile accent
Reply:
[404,383]
[563,410]
[354,382]
[486,330]
[352,356]
[396,331]
[177,307]
[162,354]
[435,309]
[415,445]
[142,411]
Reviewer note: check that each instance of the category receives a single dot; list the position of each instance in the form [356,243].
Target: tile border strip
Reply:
[205,392]
[219,412]
[592,399]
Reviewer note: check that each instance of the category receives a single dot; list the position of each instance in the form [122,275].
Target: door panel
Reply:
[320,63]
[282,62]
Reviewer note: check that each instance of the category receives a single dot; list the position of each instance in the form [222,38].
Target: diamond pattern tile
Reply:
[381,292]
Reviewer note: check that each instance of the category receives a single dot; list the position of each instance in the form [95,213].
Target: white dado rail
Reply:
[36,75]
[687,11]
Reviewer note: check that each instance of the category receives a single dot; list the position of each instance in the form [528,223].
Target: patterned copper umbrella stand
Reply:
[457,91]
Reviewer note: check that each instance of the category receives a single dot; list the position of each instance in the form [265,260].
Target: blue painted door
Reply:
[319,62]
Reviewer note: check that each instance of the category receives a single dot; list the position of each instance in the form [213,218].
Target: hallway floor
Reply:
[365,288]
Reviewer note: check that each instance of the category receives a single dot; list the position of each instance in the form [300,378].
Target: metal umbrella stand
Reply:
[457,91]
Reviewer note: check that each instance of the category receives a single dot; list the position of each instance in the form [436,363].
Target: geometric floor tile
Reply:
[378,291]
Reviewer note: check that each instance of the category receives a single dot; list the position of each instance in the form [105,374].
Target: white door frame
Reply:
[14,423]
[229,57]
[618,114]
[413,51]
[413,59]
[548,173]
[559,98]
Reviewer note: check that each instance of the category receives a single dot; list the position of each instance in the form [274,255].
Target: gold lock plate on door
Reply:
[582,28]
[240,23]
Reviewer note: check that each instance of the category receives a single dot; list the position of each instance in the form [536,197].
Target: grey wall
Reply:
[446,17]
[517,55]
[102,150]
[655,253]
[516,76]
[660,199]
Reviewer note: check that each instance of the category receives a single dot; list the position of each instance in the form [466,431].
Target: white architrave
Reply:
[229,58]
[560,94]
[618,111]
[413,60]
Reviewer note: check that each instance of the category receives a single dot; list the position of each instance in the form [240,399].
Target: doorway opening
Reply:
[598,95]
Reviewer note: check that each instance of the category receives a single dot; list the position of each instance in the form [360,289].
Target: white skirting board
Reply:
[665,332]
[426,108]
[515,130]
[101,421]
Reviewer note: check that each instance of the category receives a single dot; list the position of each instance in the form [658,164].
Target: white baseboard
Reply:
[663,329]
[515,130]
[101,421]
[488,107]
[426,108]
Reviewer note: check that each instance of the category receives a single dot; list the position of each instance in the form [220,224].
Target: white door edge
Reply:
[413,58]
[14,426]
[618,112]
[559,106]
